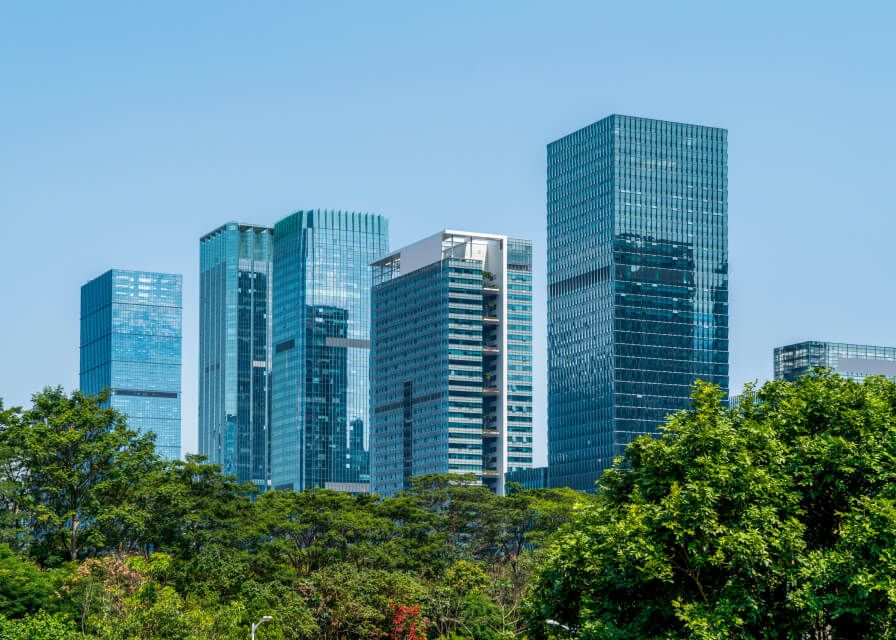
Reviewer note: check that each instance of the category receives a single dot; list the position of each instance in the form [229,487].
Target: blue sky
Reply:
[131,129]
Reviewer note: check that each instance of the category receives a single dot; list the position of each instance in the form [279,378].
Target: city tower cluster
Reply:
[328,360]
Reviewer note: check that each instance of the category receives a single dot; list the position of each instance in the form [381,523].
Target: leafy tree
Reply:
[308,530]
[24,587]
[292,617]
[194,505]
[100,535]
[461,504]
[215,573]
[76,460]
[40,626]
[100,590]
[415,541]
[357,604]
[450,601]
[406,624]
[772,520]
[15,511]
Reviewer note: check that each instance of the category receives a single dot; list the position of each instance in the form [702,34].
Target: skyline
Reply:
[138,166]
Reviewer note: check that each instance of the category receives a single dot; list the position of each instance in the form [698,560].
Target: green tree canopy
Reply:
[776,519]
[74,463]
[40,626]
[24,588]
[102,540]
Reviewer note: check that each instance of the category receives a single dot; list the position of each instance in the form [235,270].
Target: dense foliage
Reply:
[100,539]
[772,520]
[775,519]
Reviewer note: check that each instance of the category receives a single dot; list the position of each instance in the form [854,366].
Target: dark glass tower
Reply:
[234,350]
[637,284]
[327,432]
[321,336]
[131,346]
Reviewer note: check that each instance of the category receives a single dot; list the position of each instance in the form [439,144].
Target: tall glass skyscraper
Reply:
[235,270]
[855,361]
[451,360]
[321,337]
[131,345]
[637,284]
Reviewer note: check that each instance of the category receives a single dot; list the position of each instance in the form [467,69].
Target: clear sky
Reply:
[131,129]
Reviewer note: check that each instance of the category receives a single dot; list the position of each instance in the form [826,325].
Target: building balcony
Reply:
[490,319]
[490,391]
[490,350]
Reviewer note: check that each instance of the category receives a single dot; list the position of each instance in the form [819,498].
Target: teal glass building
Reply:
[321,347]
[451,360]
[637,220]
[235,276]
[529,479]
[854,361]
[131,346]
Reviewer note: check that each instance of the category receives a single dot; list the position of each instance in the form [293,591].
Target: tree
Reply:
[308,530]
[194,506]
[461,507]
[449,601]
[15,523]
[24,588]
[100,590]
[292,617]
[41,626]
[772,520]
[100,535]
[76,461]
[358,604]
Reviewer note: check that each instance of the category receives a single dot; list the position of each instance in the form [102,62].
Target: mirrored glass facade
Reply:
[451,370]
[321,345]
[531,478]
[519,354]
[131,345]
[637,284]
[854,361]
[235,275]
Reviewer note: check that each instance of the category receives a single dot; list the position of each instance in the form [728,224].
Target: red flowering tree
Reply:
[406,622]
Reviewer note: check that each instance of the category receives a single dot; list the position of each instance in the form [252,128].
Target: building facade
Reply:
[235,276]
[855,361]
[451,360]
[321,345]
[131,346]
[637,215]
[530,479]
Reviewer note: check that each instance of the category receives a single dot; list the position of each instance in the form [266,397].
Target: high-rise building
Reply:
[131,346]
[855,361]
[451,360]
[235,350]
[637,219]
[531,478]
[321,337]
